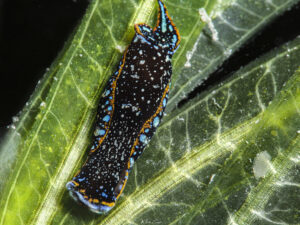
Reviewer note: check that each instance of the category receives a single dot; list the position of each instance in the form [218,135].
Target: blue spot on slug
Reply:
[106,118]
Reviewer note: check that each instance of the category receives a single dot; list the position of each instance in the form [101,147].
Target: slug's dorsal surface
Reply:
[129,112]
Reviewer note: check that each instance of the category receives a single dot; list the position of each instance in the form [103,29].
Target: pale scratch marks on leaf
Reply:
[286,183]
[19,209]
[274,83]
[108,27]
[268,70]
[135,171]
[262,215]
[247,11]
[90,104]
[167,151]
[190,54]
[234,27]
[173,204]
[257,92]
[218,118]
[270,2]
[43,161]
[92,59]
[187,136]
[205,18]
[30,182]
[60,126]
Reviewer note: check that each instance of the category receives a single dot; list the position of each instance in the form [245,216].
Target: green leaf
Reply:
[235,22]
[229,156]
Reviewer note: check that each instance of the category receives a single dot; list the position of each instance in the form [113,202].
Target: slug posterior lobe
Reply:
[129,112]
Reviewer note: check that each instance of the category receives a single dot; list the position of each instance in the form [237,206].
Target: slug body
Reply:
[129,112]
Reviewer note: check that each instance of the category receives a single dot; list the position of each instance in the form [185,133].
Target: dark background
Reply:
[32,32]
